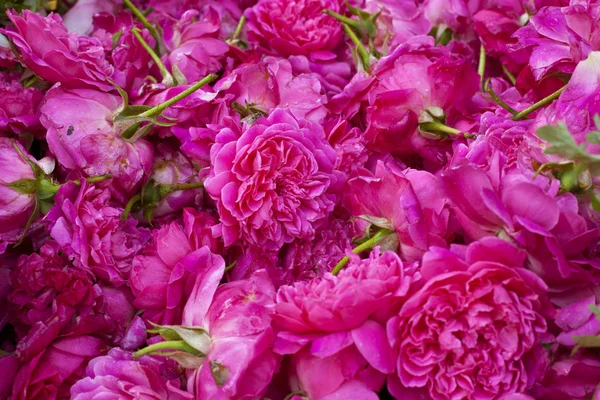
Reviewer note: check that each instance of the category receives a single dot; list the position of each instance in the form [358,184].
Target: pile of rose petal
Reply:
[300,199]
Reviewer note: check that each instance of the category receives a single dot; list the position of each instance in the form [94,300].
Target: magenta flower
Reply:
[51,298]
[574,378]
[19,110]
[51,374]
[308,259]
[83,136]
[15,207]
[89,230]
[163,276]
[240,362]
[473,330]
[194,46]
[271,84]
[117,375]
[297,27]
[9,367]
[337,320]
[558,38]
[409,202]
[273,183]
[55,55]
[171,168]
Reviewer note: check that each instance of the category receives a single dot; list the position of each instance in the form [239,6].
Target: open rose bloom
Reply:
[300,200]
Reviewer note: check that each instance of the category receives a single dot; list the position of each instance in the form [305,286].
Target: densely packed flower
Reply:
[300,199]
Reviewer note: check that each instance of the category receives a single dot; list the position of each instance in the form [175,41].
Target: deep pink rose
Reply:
[49,298]
[55,55]
[274,182]
[15,207]
[89,229]
[194,45]
[240,362]
[83,136]
[19,110]
[296,27]
[171,168]
[270,84]
[473,331]
[51,374]
[575,378]
[163,276]
[117,375]
[410,202]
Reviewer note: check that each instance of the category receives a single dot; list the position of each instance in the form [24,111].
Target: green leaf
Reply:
[23,186]
[593,137]
[195,337]
[563,145]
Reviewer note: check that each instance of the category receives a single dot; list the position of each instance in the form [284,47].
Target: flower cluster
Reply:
[300,199]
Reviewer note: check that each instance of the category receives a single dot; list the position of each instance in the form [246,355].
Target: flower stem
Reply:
[434,127]
[168,345]
[500,102]
[343,19]
[369,244]
[545,101]
[360,48]
[167,77]
[161,107]
[510,76]
[94,179]
[165,189]
[238,30]
[481,67]
[142,18]
[129,206]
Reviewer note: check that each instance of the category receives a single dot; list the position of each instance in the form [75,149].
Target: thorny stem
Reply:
[161,107]
[545,101]
[168,345]
[167,77]
[369,244]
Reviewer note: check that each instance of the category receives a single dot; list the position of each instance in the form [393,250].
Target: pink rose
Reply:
[473,331]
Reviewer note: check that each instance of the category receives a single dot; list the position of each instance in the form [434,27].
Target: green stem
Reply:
[167,77]
[545,101]
[434,127]
[142,18]
[129,206]
[165,189]
[369,244]
[238,29]
[500,102]
[168,345]
[161,107]
[343,19]
[510,76]
[362,52]
[481,68]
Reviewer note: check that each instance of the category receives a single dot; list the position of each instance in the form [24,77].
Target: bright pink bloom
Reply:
[410,202]
[117,375]
[83,136]
[274,182]
[163,276]
[270,84]
[473,330]
[296,27]
[19,110]
[51,374]
[194,45]
[51,298]
[576,378]
[15,207]
[55,55]
[240,362]
[90,231]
